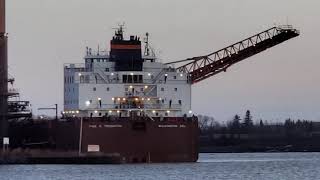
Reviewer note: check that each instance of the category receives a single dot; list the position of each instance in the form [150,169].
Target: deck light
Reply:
[99,99]
[118,111]
[123,99]
[131,74]
[166,74]
[153,111]
[149,74]
[112,99]
[142,99]
[112,74]
[130,87]
[96,111]
[80,74]
[146,87]
[119,99]
[168,112]
[190,112]
[87,103]
[110,111]
[77,112]
[181,74]
[148,99]
[137,99]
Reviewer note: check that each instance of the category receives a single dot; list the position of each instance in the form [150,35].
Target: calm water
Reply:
[254,166]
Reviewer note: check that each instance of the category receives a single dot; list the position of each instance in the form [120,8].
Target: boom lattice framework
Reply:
[203,67]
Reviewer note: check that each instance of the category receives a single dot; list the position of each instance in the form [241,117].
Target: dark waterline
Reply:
[288,166]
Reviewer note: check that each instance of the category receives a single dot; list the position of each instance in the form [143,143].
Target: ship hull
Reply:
[105,140]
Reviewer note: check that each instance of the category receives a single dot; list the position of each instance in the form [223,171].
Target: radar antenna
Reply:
[147,47]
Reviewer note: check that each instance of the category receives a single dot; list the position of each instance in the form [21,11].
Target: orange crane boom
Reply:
[203,67]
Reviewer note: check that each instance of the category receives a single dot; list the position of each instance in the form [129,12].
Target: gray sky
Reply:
[279,83]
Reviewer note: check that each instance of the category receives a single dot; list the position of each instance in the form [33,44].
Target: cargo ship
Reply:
[121,105]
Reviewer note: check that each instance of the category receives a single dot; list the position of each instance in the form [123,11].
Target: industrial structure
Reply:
[3,73]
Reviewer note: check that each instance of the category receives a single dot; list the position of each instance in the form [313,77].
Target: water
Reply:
[255,166]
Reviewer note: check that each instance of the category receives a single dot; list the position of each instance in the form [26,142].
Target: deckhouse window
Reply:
[132,78]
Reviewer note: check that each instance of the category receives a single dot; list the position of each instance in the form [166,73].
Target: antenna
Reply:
[147,48]
[119,31]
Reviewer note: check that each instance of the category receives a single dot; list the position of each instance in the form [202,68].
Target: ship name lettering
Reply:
[113,126]
[168,126]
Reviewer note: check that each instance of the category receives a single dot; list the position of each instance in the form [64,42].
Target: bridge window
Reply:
[132,78]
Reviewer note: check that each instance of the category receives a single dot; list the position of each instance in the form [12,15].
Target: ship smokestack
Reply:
[3,73]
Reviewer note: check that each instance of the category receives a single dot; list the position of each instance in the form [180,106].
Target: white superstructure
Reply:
[96,89]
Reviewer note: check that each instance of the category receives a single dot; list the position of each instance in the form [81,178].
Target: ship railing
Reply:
[74,65]
[162,72]
[141,107]
[101,73]
[13,91]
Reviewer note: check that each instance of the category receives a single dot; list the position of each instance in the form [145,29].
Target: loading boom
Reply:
[203,67]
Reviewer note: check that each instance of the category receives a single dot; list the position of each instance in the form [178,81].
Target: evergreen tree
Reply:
[235,124]
[261,123]
[248,119]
